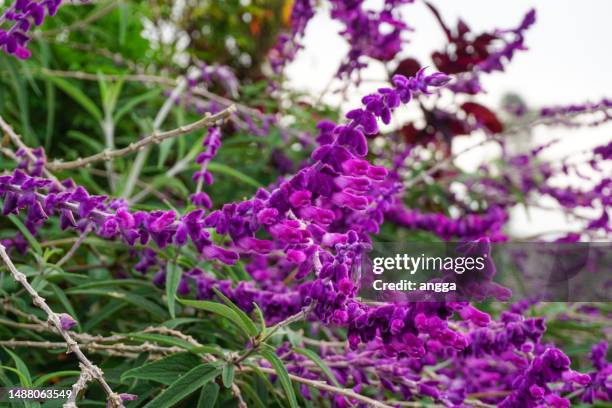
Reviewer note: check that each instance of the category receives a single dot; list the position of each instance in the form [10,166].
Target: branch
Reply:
[16,139]
[75,246]
[118,347]
[156,138]
[80,24]
[321,385]
[113,399]
[84,378]
[160,117]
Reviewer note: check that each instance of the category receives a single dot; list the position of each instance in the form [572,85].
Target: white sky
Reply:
[569,61]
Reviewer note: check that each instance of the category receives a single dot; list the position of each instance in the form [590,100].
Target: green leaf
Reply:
[185,385]
[164,371]
[266,382]
[252,329]
[162,180]
[22,378]
[165,147]
[173,277]
[252,394]
[22,100]
[123,21]
[110,94]
[218,309]
[79,97]
[50,104]
[24,231]
[228,375]
[136,300]
[229,171]
[133,102]
[171,324]
[262,320]
[320,363]
[283,375]
[22,367]
[57,374]
[107,311]
[208,350]
[208,395]
[161,339]
[85,140]
[59,294]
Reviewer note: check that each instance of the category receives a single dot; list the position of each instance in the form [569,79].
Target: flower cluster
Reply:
[211,145]
[287,45]
[20,16]
[468,227]
[369,33]
[469,55]
[314,220]
[298,245]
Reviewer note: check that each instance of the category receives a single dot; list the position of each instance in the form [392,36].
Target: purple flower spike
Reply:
[19,19]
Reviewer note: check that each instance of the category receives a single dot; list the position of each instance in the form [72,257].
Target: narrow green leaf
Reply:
[262,320]
[165,147]
[185,385]
[208,395]
[161,339]
[22,367]
[78,96]
[136,300]
[229,171]
[57,374]
[59,294]
[252,394]
[107,311]
[22,378]
[266,383]
[171,324]
[314,357]
[283,376]
[24,231]
[243,316]
[50,105]
[123,21]
[132,103]
[228,375]
[164,371]
[173,277]
[218,309]
[208,350]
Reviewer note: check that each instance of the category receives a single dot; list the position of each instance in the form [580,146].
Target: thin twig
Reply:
[321,385]
[113,399]
[85,377]
[16,139]
[75,246]
[80,24]
[141,158]
[142,143]
[119,347]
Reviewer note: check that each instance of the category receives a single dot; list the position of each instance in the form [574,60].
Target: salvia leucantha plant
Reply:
[179,228]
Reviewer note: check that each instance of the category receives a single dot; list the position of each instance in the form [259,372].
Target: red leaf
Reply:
[483,116]
[408,67]
[409,132]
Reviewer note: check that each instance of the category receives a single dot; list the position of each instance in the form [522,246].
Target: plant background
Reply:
[567,63]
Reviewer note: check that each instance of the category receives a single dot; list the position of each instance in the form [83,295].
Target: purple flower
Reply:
[20,17]
[66,321]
